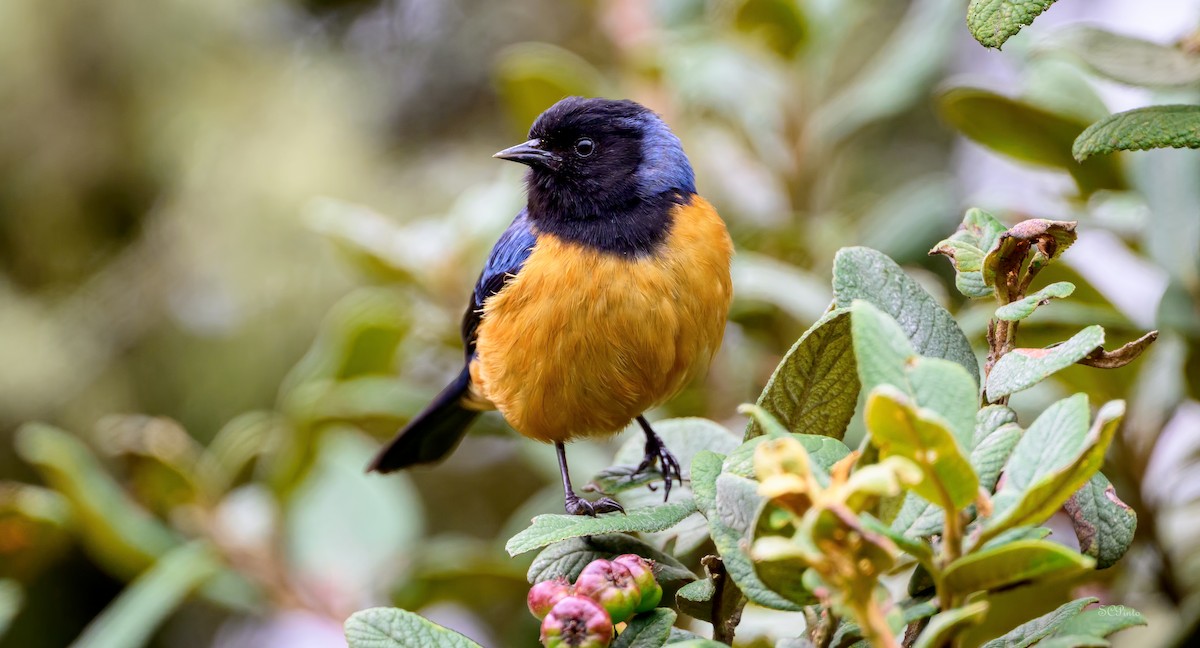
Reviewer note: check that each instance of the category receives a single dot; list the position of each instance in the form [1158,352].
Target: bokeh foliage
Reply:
[236,237]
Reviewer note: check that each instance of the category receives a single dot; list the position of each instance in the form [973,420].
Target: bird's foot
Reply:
[576,505]
[657,453]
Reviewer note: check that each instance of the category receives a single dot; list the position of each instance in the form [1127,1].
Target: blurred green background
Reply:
[236,237]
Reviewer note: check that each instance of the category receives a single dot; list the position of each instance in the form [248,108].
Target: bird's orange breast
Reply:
[582,341]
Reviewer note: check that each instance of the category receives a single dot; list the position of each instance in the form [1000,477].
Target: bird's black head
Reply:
[604,173]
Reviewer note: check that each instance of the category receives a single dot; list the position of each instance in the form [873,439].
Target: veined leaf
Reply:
[994,21]
[815,387]
[1101,621]
[1023,308]
[1173,126]
[1103,523]
[569,557]
[882,345]
[1073,641]
[898,427]
[1011,564]
[1055,457]
[550,528]
[945,625]
[647,630]
[392,628]
[1031,632]
[869,275]
[1024,368]
[967,248]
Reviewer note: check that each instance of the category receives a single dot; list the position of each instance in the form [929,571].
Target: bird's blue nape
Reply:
[664,166]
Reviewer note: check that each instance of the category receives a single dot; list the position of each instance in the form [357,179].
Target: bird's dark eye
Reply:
[584,147]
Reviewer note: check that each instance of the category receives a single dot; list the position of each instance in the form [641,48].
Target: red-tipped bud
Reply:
[611,585]
[545,594]
[642,571]
[577,622]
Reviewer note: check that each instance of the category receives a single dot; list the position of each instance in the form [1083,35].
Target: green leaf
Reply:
[991,418]
[550,528]
[967,248]
[695,599]
[1101,621]
[881,347]
[647,630]
[945,625]
[918,518]
[118,532]
[869,275]
[945,388]
[618,479]
[989,457]
[815,387]
[1024,307]
[1173,126]
[1073,641]
[1012,564]
[898,427]
[1026,133]
[698,642]
[1129,60]
[1024,368]
[569,557]
[392,628]
[1018,533]
[1103,523]
[131,619]
[1053,459]
[822,451]
[1033,631]
[994,21]
[12,597]
[849,633]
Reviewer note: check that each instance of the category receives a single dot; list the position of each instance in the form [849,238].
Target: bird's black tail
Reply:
[433,433]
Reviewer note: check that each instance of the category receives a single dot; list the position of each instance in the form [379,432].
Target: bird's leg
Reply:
[575,504]
[656,452]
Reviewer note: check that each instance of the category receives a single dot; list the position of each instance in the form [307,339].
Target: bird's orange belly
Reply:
[581,341]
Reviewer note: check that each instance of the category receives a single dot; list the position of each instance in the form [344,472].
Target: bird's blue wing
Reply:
[505,262]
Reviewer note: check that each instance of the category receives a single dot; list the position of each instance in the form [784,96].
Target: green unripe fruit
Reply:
[611,585]
[642,571]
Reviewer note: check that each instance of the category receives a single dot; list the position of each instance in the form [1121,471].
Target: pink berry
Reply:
[611,585]
[642,571]
[577,622]
[543,595]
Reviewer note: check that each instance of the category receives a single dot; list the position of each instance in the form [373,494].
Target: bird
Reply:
[607,294]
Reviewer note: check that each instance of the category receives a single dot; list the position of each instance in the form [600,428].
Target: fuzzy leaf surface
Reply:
[815,387]
[1141,129]
[1104,525]
[1024,368]
[393,628]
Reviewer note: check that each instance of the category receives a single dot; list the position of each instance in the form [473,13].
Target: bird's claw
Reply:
[657,453]
[576,505]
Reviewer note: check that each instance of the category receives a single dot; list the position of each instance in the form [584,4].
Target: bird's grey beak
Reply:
[530,153]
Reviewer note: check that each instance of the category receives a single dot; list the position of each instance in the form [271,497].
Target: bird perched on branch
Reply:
[606,295]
